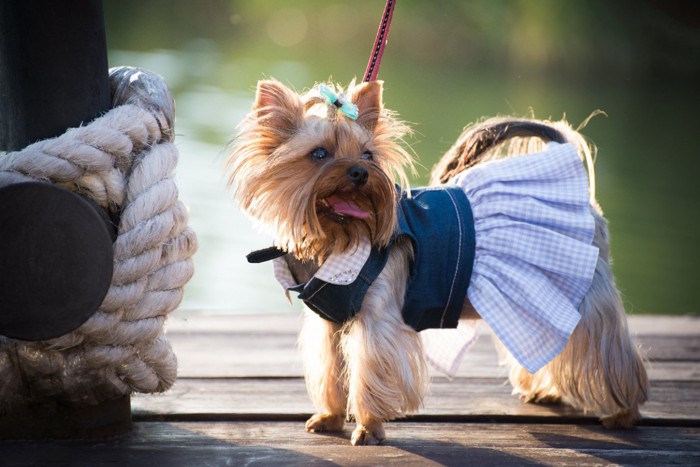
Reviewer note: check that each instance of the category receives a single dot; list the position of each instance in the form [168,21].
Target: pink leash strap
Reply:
[375,58]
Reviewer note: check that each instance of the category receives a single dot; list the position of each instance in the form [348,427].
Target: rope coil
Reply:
[124,161]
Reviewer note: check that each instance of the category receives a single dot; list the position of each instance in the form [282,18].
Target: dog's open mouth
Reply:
[342,207]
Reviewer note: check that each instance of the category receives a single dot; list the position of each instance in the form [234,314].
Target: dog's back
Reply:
[500,137]
[600,370]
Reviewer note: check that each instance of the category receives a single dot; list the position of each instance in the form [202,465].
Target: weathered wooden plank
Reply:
[273,323]
[408,444]
[671,347]
[465,399]
[236,354]
[51,419]
[645,325]
[250,353]
[188,321]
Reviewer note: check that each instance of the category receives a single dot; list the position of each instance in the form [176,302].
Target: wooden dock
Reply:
[240,400]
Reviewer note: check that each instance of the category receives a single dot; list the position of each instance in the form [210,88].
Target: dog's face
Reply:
[320,180]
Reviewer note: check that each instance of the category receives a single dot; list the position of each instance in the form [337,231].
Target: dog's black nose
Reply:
[358,175]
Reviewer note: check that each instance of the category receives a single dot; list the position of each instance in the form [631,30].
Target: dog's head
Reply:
[319,176]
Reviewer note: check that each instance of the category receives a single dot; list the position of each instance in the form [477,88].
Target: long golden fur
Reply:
[281,188]
[371,368]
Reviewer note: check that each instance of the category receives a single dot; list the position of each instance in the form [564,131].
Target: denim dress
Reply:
[439,224]
[513,235]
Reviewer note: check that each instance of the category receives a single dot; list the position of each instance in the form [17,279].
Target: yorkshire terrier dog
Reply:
[509,232]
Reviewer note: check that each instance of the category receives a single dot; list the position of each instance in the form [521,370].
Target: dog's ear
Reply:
[368,98]
[276,105]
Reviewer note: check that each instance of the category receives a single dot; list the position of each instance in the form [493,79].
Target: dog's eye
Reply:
[319,154]
[367,155]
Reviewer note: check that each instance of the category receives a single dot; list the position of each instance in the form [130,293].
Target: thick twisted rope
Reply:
[125,162]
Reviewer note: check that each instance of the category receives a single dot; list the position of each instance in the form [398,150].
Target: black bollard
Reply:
[55,261]
[53,76]
[56,254]
[53,68]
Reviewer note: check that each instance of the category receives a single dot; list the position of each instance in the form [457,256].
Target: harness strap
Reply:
[266,254]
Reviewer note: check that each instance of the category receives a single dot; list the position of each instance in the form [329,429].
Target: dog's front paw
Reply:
[325,422]
[544,399]
[363,435]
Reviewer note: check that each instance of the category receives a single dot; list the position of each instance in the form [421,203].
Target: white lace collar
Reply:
[338,269]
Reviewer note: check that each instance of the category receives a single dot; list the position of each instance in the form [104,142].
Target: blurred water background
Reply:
[448,63]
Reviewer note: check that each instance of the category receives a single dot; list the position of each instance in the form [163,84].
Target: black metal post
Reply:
[55,246]
[53,68]
[55,264]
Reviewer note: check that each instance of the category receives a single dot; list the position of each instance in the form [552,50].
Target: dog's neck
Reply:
[302,271]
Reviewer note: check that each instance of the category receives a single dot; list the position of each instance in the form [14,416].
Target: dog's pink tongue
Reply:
[346,207]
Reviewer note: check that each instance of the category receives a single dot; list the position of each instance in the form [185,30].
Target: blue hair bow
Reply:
[347,107]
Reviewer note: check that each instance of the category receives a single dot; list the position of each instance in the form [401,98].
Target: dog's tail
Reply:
[500,137]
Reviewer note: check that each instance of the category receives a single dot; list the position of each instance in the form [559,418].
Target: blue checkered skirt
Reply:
[534,257]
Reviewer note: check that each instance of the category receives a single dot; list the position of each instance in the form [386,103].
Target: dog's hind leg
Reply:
[536,388]
[601,370]
[323,362]
[387,375]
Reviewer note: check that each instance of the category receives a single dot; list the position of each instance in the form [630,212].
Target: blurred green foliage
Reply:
[451,62]
[595,38]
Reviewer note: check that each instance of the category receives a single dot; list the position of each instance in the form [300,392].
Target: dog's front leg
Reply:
[323,366]
[386,372]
